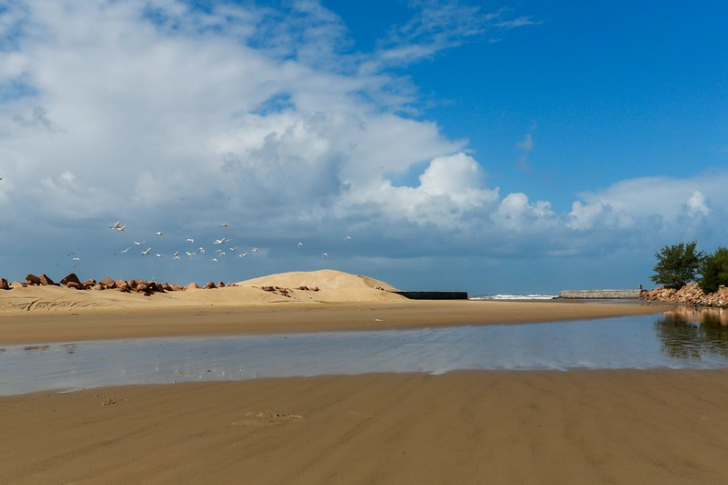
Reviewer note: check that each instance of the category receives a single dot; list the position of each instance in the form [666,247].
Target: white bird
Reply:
[191,255]
[201,250]
[255,250]
[346,238]
[159,233]
[225,224]
[242,255]
[139,243]
[116,225]
[120,228]
[147,251]
[299,245]
[175,255]
[221,241]
[232,250]
[324,255]
[190,240]
[214,260]
[124,251]
[158,255]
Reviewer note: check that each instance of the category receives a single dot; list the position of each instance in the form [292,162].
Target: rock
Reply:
[221,285]
[74,285]
[32,279]
[210,285]
[177,288]
[107,283]
[70,277]
[45,280]
[192,286]
[18,284]
[88,284]
[4,285]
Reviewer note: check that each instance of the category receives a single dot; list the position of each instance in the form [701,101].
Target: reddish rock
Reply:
[18,284]
[177,288]
[167,287]
[74,285]
[45,280]
[88,284]
[155,287]
[32,279]
[107,283]
[4,285]
[221,285]
[210,285]
[192,286]
[70,277]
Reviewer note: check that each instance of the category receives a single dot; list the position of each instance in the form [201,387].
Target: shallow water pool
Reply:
[669,340]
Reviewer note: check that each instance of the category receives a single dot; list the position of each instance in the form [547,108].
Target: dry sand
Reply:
[342,302]
[645,427]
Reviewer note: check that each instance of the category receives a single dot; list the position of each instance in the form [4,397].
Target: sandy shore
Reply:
[38,327]
[471,427]
[647,427]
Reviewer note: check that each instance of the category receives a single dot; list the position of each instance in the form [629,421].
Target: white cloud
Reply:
[172,117]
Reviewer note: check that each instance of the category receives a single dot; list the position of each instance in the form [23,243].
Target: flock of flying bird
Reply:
[219,252]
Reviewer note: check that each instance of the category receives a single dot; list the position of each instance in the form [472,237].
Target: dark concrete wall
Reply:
[434,295]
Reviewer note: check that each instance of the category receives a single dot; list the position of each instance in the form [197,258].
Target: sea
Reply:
[514,297]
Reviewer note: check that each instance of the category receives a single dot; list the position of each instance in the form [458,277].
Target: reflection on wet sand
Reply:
[690,333]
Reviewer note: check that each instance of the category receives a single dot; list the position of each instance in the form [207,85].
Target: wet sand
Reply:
[645,427]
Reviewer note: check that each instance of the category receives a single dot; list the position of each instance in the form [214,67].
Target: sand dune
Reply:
[330,286]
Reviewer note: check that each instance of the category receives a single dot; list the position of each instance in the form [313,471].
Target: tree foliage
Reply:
[714,271]
[677,265]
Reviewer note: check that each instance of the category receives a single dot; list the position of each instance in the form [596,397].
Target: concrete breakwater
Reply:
[434,295]
[601,294]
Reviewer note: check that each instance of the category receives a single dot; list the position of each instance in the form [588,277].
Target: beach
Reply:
[627,426]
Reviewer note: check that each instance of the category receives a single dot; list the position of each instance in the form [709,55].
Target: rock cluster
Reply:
[690,294]
[286,291]
[133,285]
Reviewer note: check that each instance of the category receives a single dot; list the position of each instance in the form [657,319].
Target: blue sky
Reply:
[491,147]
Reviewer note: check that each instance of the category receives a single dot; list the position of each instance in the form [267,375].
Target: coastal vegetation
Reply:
[679,264]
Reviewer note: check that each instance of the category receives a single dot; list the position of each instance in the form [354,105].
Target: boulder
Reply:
[192,286]
[107,283]
[45,280]
[70,277]
[210,285]
[32,279]
[74,285]
[88,284]
[4,285]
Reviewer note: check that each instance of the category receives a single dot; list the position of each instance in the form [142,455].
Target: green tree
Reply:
[677,265]
[714,271]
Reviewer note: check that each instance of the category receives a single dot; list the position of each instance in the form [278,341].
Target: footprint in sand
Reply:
[266,419]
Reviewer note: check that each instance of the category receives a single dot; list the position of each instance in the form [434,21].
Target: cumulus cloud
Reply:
[169,115]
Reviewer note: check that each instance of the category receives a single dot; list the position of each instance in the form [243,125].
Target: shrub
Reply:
[714,271]
[677,265]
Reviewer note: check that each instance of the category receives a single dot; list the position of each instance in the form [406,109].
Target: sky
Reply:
[524,146]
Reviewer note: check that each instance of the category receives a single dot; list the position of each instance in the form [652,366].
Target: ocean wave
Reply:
[513,297]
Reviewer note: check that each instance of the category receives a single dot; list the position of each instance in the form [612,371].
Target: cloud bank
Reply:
[167,115]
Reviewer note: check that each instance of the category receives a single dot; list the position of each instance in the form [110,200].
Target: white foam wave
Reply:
[513,297]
